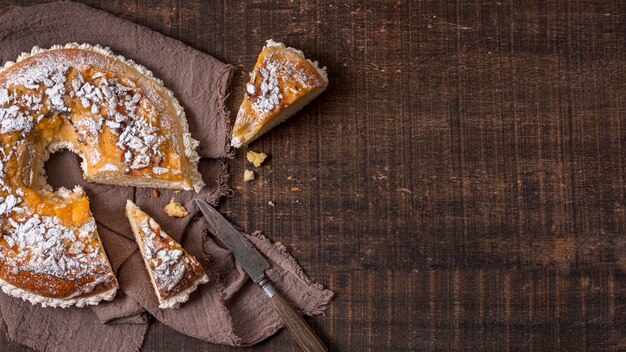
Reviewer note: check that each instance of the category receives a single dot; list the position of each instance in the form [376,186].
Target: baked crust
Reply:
[56,302]
[129,130]
[282,82]
[174,273]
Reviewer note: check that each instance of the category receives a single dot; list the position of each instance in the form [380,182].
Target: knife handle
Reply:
[301,331]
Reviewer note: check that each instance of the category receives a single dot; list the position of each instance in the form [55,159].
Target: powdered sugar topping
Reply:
[160,170]
[12,119]
[43,245]
[168,265]
[107,101]
[270,95]
[109,167]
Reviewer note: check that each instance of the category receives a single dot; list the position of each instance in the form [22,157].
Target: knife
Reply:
[255,265]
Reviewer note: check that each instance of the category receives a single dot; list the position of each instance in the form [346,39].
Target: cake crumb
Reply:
[175,209]
[248,175]
[271,203]
[256,158]
[155,193]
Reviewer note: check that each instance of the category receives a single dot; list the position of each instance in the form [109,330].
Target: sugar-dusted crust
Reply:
[282,82]
[135,217]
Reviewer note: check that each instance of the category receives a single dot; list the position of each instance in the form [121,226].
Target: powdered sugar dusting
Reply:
[274,71]
[109,167]
[141,142]
[168,265]
[12,119]
[106,101]
[4,96]
[89,129]
[270,95]
[43,245]
[9,204]
[160,170]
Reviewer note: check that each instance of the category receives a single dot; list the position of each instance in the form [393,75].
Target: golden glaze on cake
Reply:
[174,273]
[282,82]
[128,129]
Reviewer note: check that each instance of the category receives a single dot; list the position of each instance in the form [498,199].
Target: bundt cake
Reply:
[127,128]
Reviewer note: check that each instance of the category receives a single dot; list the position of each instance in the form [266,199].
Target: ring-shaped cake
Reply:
[127,128]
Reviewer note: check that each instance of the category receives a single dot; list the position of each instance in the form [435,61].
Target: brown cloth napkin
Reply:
[227,310]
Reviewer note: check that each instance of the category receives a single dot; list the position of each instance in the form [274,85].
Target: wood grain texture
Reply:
[461,184]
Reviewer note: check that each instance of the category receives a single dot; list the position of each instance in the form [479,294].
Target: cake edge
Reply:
[189,143]
[322,71]
[56,302]
[183,296]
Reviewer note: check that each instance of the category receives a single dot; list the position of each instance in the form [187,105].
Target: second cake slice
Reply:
[174,273]
[283,82]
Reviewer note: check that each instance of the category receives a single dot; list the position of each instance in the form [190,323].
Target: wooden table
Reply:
[461,185]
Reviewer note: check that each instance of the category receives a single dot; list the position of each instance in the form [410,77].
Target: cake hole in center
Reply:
[63,170]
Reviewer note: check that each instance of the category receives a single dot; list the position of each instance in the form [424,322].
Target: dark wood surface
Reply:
[461,185]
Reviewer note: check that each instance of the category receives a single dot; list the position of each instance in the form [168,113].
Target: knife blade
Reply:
[255,265]
[250,259]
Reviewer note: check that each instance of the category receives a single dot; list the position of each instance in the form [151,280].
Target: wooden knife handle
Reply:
[303,333]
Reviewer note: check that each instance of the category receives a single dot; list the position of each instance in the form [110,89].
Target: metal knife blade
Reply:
[255,265]
[250,259]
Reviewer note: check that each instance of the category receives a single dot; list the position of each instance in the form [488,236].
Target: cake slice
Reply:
[174,273]
[283,82]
